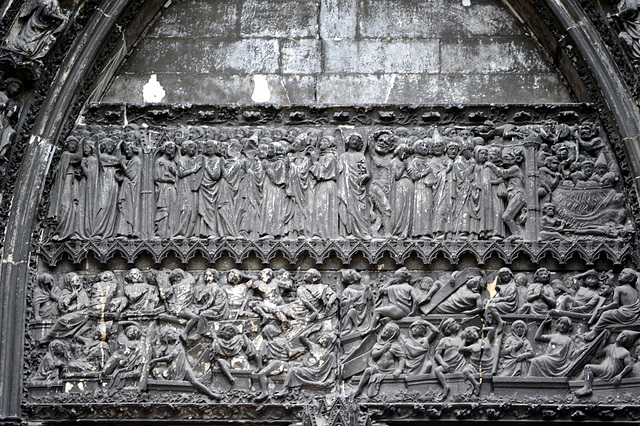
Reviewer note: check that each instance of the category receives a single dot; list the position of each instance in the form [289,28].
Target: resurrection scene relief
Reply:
[271,201]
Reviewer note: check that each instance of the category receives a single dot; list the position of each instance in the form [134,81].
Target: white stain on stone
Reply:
[153,91]
[466,3]
[261,91]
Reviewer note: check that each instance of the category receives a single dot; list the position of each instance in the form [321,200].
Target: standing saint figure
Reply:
[165,174]
[273,206]
[424,178]
[90,184]
[129,197]
[107,214]
[64,195]
[297,185]
[207,219]
[401,199]
[353,201]
[189,167]
[325,202]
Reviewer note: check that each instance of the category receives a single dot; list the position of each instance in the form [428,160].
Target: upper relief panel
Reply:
[337,52]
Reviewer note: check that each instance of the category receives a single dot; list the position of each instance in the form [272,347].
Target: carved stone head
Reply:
[313,276]
[542,275]
[564,325]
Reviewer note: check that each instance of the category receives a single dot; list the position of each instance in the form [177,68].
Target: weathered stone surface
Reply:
[273,18]
[198,18]
[414,18]
[465,88]
[301,56]
[338,18]
[490,55]
[176,55]
[359,88]
[208,88]
[373,56]
[362,51]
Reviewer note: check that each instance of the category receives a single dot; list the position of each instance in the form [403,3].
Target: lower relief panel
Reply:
[265,344]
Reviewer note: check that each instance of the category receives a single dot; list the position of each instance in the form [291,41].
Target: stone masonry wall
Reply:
[337,52]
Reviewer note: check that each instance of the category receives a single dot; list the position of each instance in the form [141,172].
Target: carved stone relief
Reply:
[285,335]
[306,187]
[497,183]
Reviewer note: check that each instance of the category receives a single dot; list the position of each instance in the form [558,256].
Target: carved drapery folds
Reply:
[504,184]
[512,180]
[252,336]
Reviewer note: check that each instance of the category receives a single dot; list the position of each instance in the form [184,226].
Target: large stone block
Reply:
[354,88]
[275,18]
[436,18]
[338,18]
[478,88]
[302,56]
[249,56]
[198,18]
[208,89]
[491,55]
[381,56]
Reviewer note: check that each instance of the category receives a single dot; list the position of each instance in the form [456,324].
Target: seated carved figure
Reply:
[92,352]
[126,361]
[386,359]
[278,354]
[355,303]
[617,363]
[210,300]
[54,364]
[271,299]
[233,350]
[318,297]
[319,365]
[73,304]
[142,298]
[176,290]
[104,297]
[586,299]
[560,349]
[505,301]
[624,309]
[540,296]
[45,298]
[516,351]
[400,296]
[178,367]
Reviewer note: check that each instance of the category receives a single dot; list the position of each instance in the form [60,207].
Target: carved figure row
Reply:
[284,298]
[174,328]
[143,353]
[268,184]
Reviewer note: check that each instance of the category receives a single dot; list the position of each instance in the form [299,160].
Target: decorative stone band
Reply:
[617,251]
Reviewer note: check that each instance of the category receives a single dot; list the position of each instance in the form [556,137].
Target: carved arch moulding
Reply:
[304,264]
